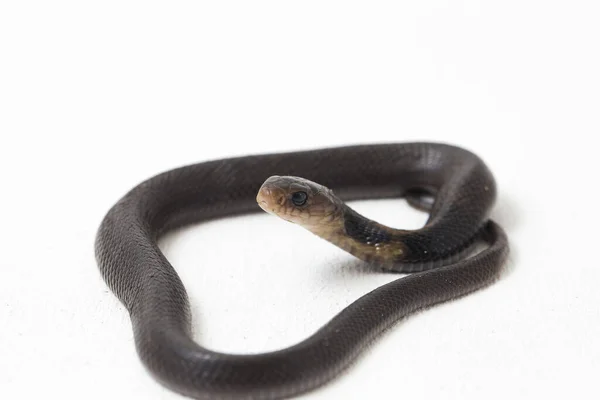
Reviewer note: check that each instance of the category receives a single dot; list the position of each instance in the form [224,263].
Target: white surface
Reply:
[95,97]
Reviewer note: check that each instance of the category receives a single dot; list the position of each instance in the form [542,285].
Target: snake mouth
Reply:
[270,198]
[264,204]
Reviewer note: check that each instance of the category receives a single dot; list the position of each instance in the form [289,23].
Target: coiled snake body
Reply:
[141,277]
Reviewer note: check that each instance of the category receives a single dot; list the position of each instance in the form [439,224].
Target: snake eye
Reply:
[299,198]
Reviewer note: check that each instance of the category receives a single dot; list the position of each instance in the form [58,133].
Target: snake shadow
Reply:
[509,215]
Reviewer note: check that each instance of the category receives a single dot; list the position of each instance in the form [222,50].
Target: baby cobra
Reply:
[142,278]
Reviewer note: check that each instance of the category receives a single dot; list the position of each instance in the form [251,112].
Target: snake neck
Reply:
[394,249]
[363,238]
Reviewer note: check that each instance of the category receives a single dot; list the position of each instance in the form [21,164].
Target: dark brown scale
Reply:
[364,230]
[143,279]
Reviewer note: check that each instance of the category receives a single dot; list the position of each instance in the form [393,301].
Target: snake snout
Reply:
[270,198]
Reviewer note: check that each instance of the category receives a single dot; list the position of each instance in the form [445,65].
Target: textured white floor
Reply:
[96,98]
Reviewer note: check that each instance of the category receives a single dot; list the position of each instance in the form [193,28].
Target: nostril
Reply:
[281,200]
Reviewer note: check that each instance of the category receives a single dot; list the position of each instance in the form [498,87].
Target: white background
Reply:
[97,96]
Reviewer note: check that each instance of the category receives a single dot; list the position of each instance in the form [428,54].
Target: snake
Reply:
[440,261]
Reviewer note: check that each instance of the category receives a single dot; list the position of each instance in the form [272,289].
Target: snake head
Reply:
[298,200]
